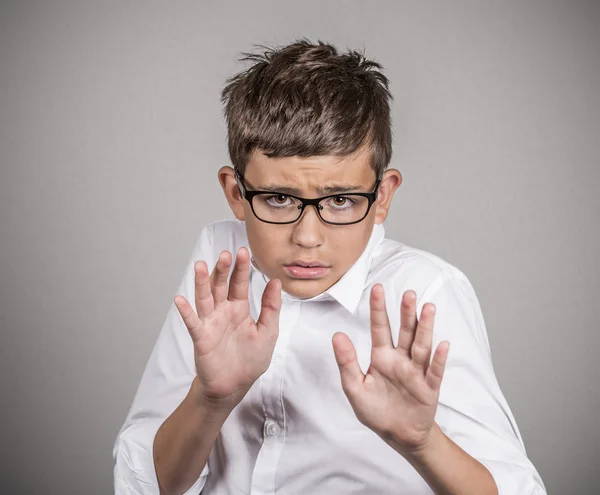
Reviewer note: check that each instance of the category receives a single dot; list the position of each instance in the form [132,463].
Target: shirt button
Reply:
[271,428]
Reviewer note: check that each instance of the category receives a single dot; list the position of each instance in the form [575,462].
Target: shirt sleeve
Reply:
[472,410]
[165,382]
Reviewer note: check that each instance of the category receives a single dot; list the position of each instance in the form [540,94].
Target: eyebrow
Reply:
[332,189]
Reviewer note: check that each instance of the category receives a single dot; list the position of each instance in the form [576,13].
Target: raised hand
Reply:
[398,396]
[231,350]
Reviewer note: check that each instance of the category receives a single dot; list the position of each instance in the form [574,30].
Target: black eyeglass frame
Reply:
[248,195]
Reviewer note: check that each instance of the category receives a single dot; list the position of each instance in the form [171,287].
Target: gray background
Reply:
[110,138]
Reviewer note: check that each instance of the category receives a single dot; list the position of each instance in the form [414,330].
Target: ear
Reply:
[232,192]
[390,181]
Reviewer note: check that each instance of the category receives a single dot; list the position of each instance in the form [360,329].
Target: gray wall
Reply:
[110,138]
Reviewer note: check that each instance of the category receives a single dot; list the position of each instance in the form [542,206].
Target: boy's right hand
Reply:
[230,350]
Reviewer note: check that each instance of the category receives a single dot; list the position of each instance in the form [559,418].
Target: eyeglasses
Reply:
[335,209]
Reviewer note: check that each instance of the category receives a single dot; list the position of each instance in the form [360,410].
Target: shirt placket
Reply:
[271,389]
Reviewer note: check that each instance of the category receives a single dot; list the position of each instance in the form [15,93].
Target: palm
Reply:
[398,396]
[231,350]
[231,356]
[392,385]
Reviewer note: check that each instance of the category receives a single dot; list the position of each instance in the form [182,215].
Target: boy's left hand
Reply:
[398,396]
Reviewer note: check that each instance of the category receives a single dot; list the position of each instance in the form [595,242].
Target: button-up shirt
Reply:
[295,432]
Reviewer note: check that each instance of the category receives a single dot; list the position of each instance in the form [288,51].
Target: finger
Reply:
[238,283]
[218,278]
[380,324]
[190,318]
[435,373]
[345,355]
[408,322]
[268,320]
[421,347]
[203,294]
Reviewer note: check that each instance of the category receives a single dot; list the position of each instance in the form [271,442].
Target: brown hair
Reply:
[308,99]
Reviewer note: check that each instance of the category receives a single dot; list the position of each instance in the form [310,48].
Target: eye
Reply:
[340,202]
[278,200]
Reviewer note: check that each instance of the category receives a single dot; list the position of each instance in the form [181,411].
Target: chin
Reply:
[305,288]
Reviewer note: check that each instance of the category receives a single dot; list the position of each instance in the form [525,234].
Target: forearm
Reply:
[449,470]
[183,442]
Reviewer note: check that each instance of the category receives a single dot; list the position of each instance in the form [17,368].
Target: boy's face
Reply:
[280,250]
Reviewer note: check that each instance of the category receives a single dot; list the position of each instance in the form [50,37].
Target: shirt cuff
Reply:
[513,479]
[134,472]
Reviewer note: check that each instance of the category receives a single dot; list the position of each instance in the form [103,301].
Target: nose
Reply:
[308,230]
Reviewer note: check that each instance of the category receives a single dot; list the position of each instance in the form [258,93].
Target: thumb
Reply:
[345,355]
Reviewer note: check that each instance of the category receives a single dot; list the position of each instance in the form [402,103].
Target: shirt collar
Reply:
[347,290]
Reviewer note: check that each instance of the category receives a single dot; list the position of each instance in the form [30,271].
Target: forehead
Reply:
[310,173]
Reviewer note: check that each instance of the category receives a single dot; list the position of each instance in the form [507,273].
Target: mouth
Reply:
[306,269]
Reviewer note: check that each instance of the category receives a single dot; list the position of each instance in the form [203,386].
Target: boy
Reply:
[311,363]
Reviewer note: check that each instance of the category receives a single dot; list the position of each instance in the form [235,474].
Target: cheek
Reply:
[265,241]
[347,247]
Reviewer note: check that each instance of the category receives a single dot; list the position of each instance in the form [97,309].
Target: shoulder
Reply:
[403,267]
[400,267]
[229,234]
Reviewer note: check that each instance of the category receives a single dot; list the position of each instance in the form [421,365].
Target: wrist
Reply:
[209,406]
[421,453]
[447,468]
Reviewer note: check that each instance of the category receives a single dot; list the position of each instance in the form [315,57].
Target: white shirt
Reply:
[295,433]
